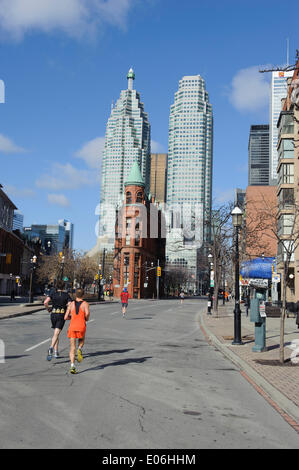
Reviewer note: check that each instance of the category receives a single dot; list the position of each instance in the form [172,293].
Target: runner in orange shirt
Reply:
[79,310]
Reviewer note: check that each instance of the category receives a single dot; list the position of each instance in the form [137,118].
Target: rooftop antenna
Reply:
[288,49]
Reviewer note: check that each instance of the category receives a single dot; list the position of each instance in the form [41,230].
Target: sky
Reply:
[64,62]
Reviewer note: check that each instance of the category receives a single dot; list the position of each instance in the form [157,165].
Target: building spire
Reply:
[131,78]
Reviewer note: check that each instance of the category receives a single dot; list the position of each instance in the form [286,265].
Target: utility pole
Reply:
[158,274]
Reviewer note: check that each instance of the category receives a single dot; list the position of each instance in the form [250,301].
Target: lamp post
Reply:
[237,222]
[62,266]
[32,265]
[99,282]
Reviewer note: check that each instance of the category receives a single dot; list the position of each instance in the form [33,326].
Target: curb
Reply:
[29,312]
[20,314]
[280,400]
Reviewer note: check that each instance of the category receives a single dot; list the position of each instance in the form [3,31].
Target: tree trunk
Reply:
[283,315]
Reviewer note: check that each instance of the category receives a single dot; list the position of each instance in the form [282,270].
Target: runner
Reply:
[182,295]
[79,310]
[124,296]
[60,301]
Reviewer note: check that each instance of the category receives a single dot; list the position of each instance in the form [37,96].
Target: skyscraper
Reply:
[258,156]
[278,91]
[159,176]
[189,181]
[18,220]
[128,138]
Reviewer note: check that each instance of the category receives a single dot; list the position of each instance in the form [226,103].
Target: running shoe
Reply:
[56,354]
[79,355]
[50,354]
[73,370]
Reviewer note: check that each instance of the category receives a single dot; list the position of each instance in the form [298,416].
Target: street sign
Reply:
[145,284]
[263,309]
[275,277]
[65,278]
[259,283]
[212,283]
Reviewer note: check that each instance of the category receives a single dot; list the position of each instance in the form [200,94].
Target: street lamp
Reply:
[62,266]
[32,265]
[99,282]
[237,222]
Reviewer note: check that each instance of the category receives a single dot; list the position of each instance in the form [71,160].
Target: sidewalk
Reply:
[279,382]
[18,309]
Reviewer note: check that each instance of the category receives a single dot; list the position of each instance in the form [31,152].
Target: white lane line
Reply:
[37,345]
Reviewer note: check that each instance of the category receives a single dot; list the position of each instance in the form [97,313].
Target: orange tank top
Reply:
[78,321]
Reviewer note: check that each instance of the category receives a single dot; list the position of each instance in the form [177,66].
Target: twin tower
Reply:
[190,151]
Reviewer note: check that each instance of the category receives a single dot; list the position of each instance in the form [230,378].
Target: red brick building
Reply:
[139,241]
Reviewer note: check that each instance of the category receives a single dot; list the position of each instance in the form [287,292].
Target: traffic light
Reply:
[101,277]
[60,256]
[158,271]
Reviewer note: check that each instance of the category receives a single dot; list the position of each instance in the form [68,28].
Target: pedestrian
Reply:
[182,296]
[79,310]
[247,303]
[12,295]
[60,301]
[124,296]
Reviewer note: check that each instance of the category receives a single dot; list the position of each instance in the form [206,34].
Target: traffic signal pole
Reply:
[158,278]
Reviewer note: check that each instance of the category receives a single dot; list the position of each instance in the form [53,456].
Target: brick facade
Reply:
[138,244]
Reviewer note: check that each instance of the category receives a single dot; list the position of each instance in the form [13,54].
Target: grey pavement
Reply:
[147,381]
[279,382]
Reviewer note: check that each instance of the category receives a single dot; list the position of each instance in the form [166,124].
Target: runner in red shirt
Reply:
[124,296]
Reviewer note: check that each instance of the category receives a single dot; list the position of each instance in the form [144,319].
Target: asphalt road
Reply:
[148,381]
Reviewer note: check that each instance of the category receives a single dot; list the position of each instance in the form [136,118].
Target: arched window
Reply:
[139,196]
[129,197]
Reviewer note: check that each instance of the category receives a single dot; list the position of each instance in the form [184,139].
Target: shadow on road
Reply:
[98,353]
[121,362]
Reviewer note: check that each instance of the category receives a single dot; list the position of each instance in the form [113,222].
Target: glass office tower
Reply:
[278,91]
[128,138]
[258,156]
[189,180]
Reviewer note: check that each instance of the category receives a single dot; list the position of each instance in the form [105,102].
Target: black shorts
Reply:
[123,304]
[57,320]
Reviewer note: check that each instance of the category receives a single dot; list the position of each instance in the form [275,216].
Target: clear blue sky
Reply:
[64,61]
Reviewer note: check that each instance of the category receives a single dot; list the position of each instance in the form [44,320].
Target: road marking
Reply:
[37,345]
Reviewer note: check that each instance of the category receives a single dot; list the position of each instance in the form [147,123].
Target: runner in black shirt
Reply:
[60,301]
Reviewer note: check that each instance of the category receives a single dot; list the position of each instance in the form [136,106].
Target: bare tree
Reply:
[284,229]
[221,245]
